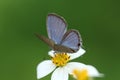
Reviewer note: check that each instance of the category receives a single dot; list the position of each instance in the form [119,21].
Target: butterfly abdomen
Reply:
[61,48]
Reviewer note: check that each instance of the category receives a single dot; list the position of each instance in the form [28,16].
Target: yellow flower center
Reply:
[60,59]
[81,74]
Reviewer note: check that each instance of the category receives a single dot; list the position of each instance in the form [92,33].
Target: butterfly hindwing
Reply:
[72,40]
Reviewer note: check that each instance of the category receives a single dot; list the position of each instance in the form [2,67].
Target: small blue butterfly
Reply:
[60,39]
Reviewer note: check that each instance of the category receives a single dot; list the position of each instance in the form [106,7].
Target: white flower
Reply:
[85,72]
[59,64]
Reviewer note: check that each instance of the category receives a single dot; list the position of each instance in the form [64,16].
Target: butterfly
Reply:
[61,40]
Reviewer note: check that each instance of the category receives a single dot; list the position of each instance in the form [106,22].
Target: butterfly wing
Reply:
[48,41]
[56,27]
[72,40]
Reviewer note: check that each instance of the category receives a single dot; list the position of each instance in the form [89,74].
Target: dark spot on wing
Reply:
[78,44]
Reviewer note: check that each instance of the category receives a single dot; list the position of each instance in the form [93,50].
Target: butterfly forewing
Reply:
[72,40]
[56,27]
[46,40]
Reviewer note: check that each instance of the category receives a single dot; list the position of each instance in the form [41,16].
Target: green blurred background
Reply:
[20,50]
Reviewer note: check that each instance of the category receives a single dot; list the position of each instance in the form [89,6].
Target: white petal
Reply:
[51,53]
[77,54]
[44,68]
[74,65]
[92,71]
[60,74]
